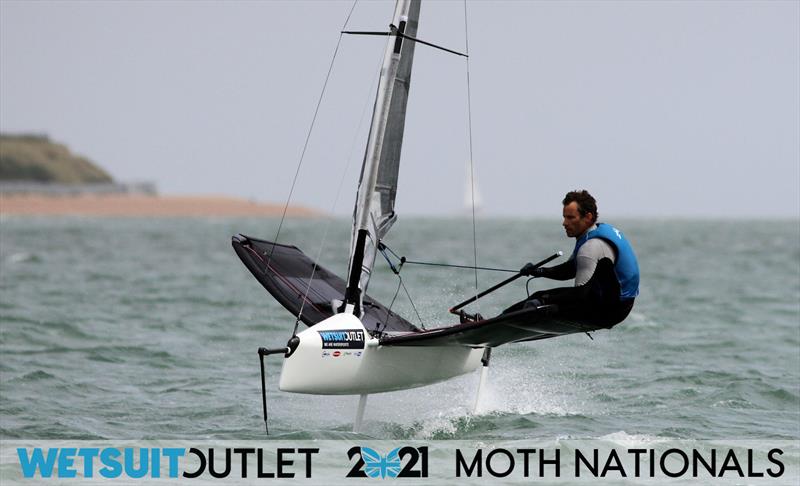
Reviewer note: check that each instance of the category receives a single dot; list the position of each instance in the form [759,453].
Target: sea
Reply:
[143,331]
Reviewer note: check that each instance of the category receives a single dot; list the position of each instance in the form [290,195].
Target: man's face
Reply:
[574,224]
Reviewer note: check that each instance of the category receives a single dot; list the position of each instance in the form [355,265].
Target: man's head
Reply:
[580,212]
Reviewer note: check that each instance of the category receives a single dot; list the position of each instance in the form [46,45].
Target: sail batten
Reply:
[374,211]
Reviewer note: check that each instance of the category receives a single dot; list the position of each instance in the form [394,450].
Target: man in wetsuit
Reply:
[603,265]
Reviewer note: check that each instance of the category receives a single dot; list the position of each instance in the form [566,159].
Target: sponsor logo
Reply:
[342,339]
[144,463]
[336,354]
[378,466]
[400,462]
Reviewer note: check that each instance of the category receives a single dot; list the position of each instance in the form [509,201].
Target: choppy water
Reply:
[148,329]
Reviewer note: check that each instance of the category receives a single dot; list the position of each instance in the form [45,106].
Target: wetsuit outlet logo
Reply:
[112,463]
[342,339]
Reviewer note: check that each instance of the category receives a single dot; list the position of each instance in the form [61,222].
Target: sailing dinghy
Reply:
[350,335]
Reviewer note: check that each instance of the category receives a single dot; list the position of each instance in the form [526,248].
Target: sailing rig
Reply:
[343,321]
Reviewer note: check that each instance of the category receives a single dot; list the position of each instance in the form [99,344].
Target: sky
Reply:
[660,109]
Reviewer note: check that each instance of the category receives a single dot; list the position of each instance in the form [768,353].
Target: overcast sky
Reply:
[658,108]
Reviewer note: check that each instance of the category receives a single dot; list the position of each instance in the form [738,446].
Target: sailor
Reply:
[603,265]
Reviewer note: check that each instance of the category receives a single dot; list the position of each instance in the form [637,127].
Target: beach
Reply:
[142,205]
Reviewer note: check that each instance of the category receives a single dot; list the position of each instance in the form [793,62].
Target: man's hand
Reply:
[532,271]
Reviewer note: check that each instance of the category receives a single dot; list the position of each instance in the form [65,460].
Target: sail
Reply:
[307,289]
[374,210]
[386,185]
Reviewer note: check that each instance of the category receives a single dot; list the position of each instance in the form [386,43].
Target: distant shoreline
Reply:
[142,205]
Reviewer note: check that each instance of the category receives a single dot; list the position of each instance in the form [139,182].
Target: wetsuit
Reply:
[606,277]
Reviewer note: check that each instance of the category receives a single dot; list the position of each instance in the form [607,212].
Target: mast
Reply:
[374,210]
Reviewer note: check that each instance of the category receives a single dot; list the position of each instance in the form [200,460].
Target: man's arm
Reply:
[564,271]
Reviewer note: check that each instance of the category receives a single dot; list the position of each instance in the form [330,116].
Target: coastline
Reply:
[142,205]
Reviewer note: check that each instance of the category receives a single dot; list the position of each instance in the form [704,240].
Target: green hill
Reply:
[35,158]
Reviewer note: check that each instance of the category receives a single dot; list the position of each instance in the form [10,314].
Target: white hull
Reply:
[349,362]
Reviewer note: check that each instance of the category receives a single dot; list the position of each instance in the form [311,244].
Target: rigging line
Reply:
[403,260]
[471,164]
[421,324]
[396,271]
[308,135]
[389,309]
[469,267]
[382,244]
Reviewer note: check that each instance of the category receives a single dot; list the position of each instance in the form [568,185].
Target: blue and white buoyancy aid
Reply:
[626,266]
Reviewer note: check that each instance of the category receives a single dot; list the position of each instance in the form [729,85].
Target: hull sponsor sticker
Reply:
[342,339]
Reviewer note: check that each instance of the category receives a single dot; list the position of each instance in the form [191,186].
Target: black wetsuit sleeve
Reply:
[602,287]
[565,271]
